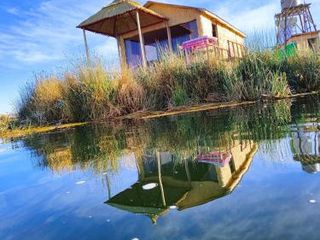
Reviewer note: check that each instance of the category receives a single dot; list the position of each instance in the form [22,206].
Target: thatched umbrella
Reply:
[120,17]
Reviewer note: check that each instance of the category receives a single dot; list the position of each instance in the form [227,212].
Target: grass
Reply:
[5,122]
[25,131]
[91,93]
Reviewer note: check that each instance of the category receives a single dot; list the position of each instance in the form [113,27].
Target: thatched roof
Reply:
[147,202]
[119,18]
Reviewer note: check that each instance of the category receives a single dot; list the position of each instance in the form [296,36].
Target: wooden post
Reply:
[169,37]
[86,46]
[108,185]
[311,18]
[143,51]
[234,50]
[285,31]
[187,171]
[238,51]
[187,56]
[160,179]
[122,59]
[302,24]
[207,49]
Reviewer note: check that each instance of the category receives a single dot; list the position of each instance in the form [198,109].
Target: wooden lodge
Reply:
[144,32]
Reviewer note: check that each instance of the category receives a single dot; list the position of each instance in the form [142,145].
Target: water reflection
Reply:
[306,146]
[181,161]
[99,147]
[167,182]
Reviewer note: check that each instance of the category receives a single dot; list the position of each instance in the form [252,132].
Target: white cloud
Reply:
[260,17]
[108,47]
[12,10]
[47,32]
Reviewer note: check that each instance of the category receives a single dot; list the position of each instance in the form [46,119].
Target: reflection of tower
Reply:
[306,150]
[295,21]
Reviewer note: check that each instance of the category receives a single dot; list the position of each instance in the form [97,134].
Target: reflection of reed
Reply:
[101,147]
[60,159]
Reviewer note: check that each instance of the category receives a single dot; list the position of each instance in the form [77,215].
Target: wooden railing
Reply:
[235,50]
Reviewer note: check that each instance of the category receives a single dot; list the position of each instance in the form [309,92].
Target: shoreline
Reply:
[18,133]
[146,115]
[204,107]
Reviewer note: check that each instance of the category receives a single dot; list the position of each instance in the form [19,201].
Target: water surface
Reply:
[242,173]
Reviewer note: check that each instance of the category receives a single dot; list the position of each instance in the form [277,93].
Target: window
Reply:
[214,30]
[157,41]
[232,165]
[133,53]
[178,36]
[312,43]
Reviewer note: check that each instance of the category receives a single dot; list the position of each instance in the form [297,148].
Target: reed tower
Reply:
[295,23]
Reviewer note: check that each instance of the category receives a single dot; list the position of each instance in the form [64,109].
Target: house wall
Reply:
[176,16]
[225,35]
[181,15]
[185,15]
[240,156]
[302,40]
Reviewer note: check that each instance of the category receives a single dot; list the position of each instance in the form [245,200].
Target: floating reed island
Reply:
[91,93]
[198,59]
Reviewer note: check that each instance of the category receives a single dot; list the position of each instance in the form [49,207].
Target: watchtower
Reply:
[295,24]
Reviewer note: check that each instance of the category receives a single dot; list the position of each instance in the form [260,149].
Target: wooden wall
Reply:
[240,154]
[179,15]
[302,40]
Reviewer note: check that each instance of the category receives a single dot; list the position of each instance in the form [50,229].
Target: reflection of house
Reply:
[143,32]
[306,148]
[164,182]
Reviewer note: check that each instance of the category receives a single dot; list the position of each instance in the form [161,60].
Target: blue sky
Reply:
[39,36]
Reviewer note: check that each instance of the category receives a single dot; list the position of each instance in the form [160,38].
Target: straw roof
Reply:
[148,202]
[119,18]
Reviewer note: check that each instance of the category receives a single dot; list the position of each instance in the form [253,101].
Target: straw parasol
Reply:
[121,17]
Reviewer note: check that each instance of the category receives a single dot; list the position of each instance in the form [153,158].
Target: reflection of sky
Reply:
[271,202]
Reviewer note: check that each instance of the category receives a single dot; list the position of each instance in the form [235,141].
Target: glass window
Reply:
[156,42]
[178,39]
[133,53]
[154,50]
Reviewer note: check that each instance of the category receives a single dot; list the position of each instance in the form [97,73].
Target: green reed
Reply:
[91,93]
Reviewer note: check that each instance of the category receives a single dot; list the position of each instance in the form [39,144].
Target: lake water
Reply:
[242,173]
